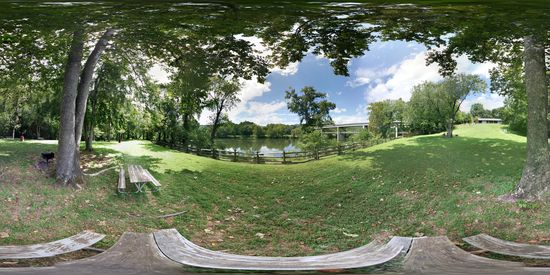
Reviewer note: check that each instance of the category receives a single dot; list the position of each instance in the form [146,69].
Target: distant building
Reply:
[489,121]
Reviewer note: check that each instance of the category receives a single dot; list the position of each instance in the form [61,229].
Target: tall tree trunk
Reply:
[86,81]
[449,128]
[535,180]
[67,153]
[91,120]
[186,128]
[76,89]
[215,124]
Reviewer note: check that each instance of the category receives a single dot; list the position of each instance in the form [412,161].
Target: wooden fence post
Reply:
[235,155]
[284,157]
[339,149]
[257,157]
[213,153]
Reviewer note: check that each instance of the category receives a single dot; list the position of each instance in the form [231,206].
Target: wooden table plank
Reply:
[438,255]
[499,246]
[181,250]
[73,243]
[137,174]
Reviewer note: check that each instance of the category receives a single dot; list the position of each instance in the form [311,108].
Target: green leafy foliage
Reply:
[385,115]
[311,107]
[315,141]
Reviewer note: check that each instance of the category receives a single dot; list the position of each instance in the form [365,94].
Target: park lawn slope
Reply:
[424,185]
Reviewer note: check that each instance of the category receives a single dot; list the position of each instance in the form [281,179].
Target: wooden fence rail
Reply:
[284,157]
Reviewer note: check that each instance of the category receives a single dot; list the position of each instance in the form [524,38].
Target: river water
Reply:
[262,145]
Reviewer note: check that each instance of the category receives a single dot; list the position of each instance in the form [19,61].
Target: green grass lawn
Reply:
[425,185]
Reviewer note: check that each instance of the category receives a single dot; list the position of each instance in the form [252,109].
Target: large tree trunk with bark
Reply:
[449,128]
[91,119]
[76,89]
[535,180]
[86,81]
[67,151]
[216,123]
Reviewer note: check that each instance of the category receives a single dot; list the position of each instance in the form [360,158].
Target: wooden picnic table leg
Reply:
[139,186]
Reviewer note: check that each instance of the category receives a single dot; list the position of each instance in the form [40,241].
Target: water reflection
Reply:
[273,147]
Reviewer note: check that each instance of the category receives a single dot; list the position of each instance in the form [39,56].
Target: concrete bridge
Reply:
[341,130]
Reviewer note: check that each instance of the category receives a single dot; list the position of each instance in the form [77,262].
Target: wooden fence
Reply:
[284,157]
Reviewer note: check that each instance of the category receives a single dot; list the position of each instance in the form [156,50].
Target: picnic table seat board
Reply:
[492,244]
[133,253]
[140,177]
[154,181]
[70,244]
[121,181]
[137,174]
[440,255]
[181,250]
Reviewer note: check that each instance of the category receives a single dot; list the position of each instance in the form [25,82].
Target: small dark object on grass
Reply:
[172,215]
[48,156]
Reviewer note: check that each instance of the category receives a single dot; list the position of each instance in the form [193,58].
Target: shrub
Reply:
[314,142]
[200,138]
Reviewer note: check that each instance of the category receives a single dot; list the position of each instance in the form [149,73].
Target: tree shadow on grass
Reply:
[456,155]
[157,148]
[23,152]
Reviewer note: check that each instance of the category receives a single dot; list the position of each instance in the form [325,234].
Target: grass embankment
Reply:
[425,185]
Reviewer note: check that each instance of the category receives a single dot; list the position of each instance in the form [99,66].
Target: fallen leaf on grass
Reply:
[350,235]
[260,235]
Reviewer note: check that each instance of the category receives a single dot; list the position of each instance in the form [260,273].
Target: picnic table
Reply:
[139,177]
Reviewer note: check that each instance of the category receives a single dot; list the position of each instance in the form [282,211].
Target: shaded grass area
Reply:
[425,185]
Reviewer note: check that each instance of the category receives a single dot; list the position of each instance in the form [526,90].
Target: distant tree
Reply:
[477,110]
[226,128]
[199,137]
[296,132]
[311,106]
[276,130]
[497,112]
[222,96]
[258,131]
[463,117]
[314,141]
[453,91]
[363,135]
[245,128]
[384,115]
[423,114]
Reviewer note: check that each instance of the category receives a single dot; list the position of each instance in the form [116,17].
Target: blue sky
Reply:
[388,71]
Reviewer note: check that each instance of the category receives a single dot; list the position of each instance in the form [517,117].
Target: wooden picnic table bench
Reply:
[42,250]
[139,177]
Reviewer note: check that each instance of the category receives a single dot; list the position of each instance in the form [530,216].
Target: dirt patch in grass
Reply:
[92,162]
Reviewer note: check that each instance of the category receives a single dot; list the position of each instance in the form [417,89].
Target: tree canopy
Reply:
[199,41]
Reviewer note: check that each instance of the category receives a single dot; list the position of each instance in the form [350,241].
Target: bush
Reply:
[314,142]
[200,138]
[363,135]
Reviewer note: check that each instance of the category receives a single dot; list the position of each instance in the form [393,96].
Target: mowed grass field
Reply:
[424,185]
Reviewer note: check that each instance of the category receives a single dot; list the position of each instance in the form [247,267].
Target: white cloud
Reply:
[252,88]
[260,113]
[258,46]
[359,116]
[339,110]
[291,69]
[365,76]
[489,100]
[397,81]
